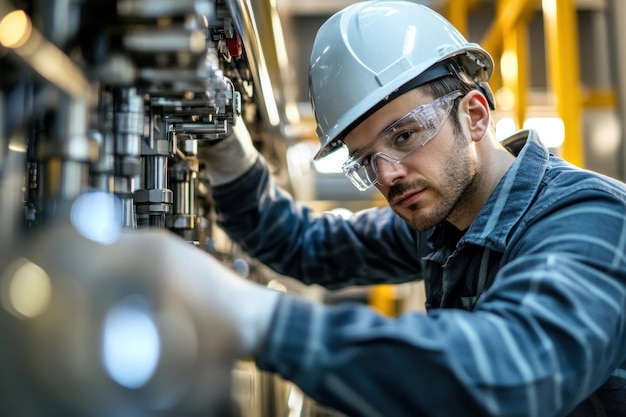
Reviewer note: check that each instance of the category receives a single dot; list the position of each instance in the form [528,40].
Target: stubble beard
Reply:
[456,189]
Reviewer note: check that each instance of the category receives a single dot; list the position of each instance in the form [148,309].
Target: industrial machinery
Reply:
[104,107]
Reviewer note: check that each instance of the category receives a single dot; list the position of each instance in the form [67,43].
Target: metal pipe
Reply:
[129,120]
[173,40]
[561,36]
[245,22]
[160,8]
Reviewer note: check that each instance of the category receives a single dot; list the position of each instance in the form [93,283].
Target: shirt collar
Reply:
[513,194]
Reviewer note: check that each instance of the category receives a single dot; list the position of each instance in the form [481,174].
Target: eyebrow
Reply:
[377,136]
[396,121]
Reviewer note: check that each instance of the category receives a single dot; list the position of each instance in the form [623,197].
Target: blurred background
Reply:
[106,107]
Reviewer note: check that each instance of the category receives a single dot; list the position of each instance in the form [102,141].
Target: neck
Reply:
[491,167]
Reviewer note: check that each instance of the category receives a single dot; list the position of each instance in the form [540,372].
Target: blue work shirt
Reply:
[526,309]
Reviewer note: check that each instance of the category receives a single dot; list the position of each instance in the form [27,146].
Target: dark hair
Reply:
[442,86]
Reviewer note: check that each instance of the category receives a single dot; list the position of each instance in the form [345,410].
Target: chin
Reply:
[421,220]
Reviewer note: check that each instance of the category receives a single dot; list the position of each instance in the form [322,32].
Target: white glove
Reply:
[203,280]
[142,308]
[222,304]
[230,158]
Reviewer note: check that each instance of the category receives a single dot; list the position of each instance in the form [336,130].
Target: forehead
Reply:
[372,126]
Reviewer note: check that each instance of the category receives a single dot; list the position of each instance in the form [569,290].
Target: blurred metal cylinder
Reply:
[157,8]
[153,201]
[166,41]
[64,152]
[129,130]
[183,179]
[96,330]
[103,133]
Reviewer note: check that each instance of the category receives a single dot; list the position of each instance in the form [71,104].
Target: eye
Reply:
[406,138]
[366,161]
[403,137]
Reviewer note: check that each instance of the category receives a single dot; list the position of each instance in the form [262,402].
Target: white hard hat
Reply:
[367,53]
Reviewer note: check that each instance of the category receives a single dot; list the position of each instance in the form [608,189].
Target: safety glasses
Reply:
[399,140]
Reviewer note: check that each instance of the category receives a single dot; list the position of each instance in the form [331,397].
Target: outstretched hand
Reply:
[138,310]
[231,157]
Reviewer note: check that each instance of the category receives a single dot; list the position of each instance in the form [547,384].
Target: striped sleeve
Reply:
[548,332]
[374,246]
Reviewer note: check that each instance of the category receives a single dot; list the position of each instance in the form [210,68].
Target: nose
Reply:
[388,170]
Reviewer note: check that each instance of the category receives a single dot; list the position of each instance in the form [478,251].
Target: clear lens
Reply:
[399,140]
[361,176]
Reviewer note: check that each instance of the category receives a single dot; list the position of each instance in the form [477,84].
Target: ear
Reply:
[479,115]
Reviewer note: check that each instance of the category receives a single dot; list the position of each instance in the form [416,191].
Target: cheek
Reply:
[384,191]
[431,161]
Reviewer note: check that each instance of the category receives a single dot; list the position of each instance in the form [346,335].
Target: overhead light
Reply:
[15,29]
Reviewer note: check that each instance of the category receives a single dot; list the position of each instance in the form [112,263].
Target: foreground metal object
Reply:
[115,99]
[88,330]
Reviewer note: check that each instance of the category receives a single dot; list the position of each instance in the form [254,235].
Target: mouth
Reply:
[407,199]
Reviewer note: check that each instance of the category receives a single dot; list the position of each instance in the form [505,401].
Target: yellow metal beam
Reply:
[560,27]
[599,98]
[383,299]
[511,16]
[515,13]
[521,40]
[457,11]
[514,68]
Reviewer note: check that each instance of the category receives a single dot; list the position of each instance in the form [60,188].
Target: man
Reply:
[522,253]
